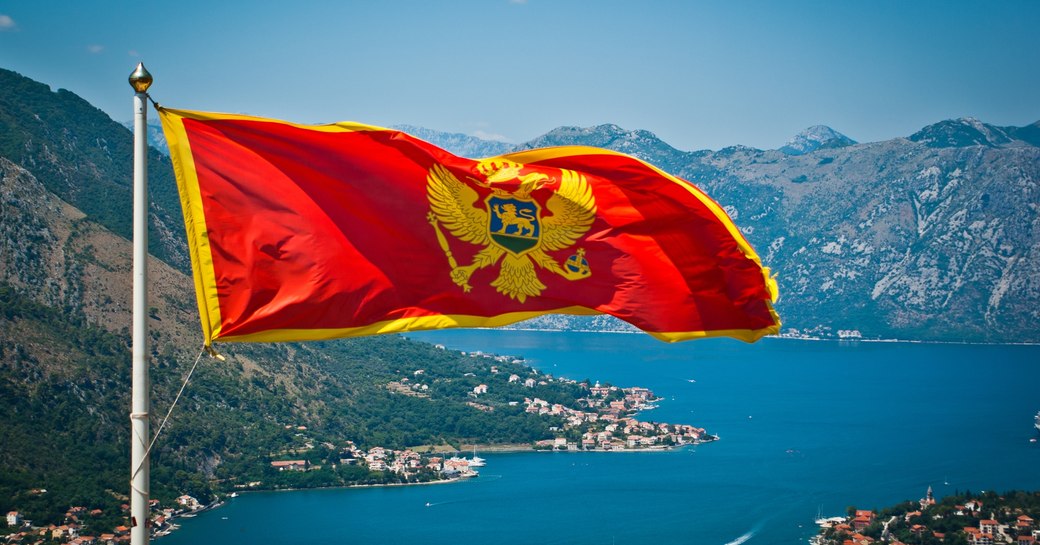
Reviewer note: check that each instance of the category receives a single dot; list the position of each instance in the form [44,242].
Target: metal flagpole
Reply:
[140,80]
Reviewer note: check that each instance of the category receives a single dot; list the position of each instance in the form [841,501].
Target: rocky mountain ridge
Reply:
[814,138]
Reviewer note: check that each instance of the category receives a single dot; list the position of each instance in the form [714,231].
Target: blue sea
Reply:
[807,428]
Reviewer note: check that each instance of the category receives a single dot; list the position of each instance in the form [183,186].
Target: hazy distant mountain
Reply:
[460,144]
[961,133]
[642,144]
[815,138]
[1029,133]
[156,138]
[457,143]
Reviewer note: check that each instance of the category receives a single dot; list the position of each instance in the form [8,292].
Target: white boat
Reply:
[1036,421]
[477,461]
[826,522]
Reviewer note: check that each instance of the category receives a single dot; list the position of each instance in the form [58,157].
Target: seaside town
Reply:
[78,518]
[602,420]
[961,519]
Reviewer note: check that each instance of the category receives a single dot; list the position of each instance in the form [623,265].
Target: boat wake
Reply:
[750,534]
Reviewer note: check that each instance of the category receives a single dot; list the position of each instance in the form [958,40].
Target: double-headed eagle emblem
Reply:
[511,225]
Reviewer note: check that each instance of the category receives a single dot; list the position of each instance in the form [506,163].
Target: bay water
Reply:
[807,428]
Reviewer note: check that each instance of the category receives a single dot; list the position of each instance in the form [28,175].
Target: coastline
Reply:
[220,502]
[774,337]
[510,449]
[345,486]
[494,449]
[500,448]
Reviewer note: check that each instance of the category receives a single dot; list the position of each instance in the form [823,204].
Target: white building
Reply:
[188,502]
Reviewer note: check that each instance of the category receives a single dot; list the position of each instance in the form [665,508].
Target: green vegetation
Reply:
[80,154]
[63,385]
[951,517]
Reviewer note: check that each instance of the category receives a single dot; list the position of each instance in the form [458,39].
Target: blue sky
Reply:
[701,75]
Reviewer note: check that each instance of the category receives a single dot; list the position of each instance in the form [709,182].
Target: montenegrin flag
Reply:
[306,232]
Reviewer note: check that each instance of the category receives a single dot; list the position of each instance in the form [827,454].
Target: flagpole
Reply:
[140,80]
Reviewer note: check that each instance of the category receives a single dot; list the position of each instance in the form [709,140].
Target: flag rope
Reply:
[204,350]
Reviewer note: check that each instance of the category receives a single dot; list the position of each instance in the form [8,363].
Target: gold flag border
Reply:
[205,277]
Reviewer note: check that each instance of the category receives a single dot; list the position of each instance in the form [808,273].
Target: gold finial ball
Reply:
[140,79]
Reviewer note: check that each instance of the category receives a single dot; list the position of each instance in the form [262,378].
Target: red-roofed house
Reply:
[988,526]
[291,465]
[862,519]
[860,539]
[1025,540]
